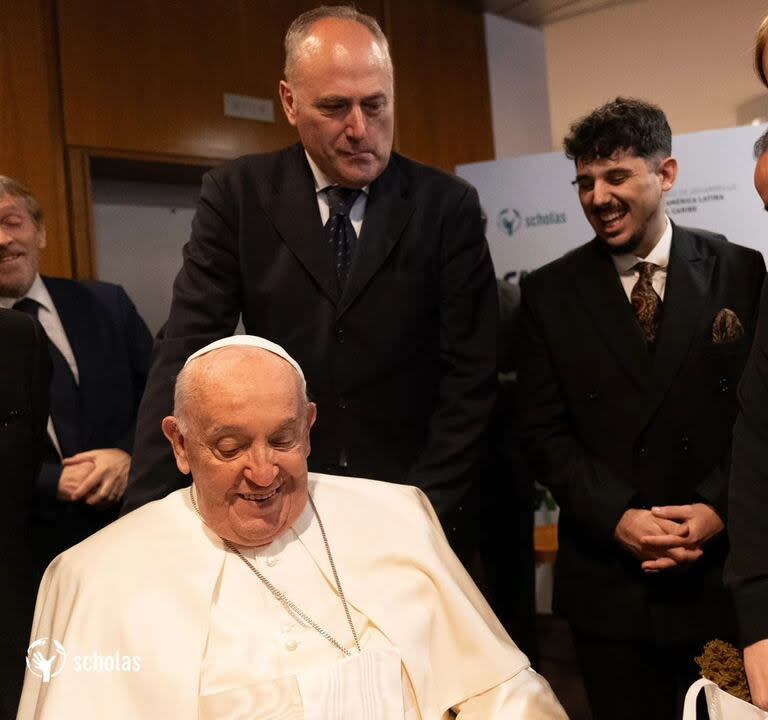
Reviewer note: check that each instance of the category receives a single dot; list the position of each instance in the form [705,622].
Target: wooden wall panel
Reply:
[148,76]
[443,115]
[31,141]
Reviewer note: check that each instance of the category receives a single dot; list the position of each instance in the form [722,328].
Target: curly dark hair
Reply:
[625,124]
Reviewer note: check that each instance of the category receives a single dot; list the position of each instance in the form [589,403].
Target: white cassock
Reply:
[212,641]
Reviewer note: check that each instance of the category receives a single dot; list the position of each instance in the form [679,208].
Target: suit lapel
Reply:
[688,280]
[294,212]
[386,214]
[598,286]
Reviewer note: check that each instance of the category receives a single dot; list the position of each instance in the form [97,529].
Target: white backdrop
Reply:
[534,214]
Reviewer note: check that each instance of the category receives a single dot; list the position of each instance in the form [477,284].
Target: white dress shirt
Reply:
[357,212]
[659,256]
[51,322]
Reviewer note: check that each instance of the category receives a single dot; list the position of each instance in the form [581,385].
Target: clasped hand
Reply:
[95,477]
[668,536]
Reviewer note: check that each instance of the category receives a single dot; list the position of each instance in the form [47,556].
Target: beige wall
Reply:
[692,57]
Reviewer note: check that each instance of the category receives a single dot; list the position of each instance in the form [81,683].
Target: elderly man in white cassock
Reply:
[266,592]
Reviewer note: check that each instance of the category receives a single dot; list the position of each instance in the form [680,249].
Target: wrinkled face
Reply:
[20,243]
[340,99]
[761,178]
[623,199]
[246,443]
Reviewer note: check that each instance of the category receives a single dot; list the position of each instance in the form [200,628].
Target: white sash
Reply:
[720,704]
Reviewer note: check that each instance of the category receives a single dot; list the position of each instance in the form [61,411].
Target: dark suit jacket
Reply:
[112,346]
[401,365]
[747,568]
[608,426]
[24,377]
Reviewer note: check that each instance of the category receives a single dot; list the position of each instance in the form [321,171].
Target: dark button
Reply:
[642,452]
[340,335]
[723,384]
[341,403]
[592,395]
[684,444]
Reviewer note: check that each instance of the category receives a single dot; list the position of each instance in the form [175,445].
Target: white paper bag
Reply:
[721,705]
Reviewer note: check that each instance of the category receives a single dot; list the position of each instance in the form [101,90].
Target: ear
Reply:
[311,417]
[667,173]
[288,99]
[172,431]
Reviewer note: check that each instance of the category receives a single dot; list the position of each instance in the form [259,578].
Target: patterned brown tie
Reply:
[645,302]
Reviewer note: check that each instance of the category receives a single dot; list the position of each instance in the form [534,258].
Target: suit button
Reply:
[723,384]
[341,403]
[340,335]
[684,444]
[642,452]
[592,395]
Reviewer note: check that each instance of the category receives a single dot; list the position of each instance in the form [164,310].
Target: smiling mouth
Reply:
[10,258]
[261,497]
[611,218]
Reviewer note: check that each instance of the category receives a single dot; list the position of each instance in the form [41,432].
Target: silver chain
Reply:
[283,599]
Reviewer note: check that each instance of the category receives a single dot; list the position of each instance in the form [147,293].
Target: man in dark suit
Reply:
[370,269]
[747,567]
[506,535]
[632,348]
[25,371]
[99,348]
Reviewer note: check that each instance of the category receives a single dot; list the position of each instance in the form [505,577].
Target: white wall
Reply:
[140,229]
[517,75]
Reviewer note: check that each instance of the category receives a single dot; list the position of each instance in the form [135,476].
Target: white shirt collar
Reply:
[322,181]
[37,292]
[658,256]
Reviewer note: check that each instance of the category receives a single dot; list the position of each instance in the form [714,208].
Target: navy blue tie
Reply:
[65,394]
[339,231]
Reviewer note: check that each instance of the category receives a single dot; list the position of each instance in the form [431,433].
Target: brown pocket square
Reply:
[727,327]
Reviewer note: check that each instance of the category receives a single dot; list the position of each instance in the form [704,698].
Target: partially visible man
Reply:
[747,568]
[632,348]
[265,591]
[25,371]
[505,537]
[370,268]
[99,348]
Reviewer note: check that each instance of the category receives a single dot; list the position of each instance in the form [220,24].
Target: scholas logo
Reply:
[509,221]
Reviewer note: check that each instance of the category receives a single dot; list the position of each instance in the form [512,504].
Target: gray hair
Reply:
[13,188]
[761,145]
[299,30]
[186,383]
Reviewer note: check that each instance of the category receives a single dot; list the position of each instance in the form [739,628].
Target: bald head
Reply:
[330,28]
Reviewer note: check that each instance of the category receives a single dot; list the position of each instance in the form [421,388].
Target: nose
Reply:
[5,237]
[260,467]
[601,194]
[355,129]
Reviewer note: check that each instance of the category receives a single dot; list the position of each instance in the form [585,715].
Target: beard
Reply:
[626,248]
